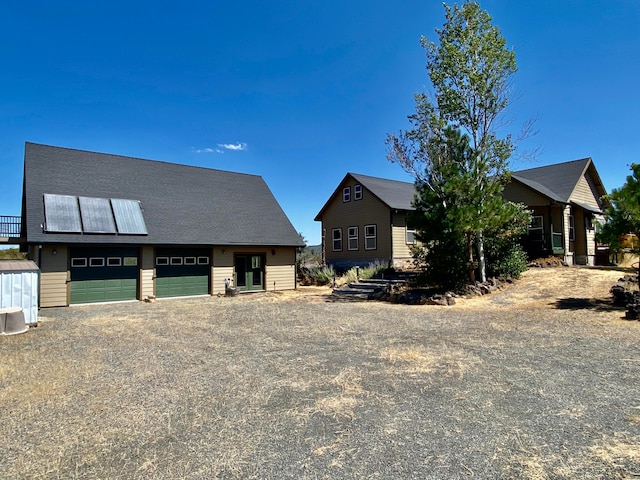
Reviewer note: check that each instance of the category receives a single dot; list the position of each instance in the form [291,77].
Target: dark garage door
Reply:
[103,274]
[182,272]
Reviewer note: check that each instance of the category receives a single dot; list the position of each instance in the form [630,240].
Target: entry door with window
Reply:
[249,272]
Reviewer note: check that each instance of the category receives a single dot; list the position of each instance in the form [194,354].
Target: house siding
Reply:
[518,193]
[53,276]
[222,269]
[280,269]
[569,246]
[357,213]
[585,245]
[583,193]
[401,252]
[279,266]
[147,272]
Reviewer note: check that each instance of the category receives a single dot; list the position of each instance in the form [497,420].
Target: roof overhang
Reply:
[588,208]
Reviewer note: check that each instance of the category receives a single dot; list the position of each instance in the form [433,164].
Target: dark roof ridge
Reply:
[128,157]
[377,178]
[558,164]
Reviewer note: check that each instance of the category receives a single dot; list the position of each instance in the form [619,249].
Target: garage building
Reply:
[105,227]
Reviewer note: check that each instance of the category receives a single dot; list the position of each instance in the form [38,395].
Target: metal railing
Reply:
[10,226]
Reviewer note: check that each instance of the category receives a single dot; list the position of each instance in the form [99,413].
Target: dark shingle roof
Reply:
[556,181]
[397,195]
[393,193]
[182,205]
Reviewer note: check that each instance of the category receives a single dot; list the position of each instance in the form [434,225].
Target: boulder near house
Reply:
[106,227]
[365,219]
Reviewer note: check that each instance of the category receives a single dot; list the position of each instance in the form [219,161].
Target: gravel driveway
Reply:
[538,381]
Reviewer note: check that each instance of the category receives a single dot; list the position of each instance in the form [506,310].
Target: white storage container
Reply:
[19,281]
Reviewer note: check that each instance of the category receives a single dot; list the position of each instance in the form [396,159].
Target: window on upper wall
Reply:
[410,235]
[370,242]
[346,194]
[352,237]
[357,192]
[572,228]
[336,235]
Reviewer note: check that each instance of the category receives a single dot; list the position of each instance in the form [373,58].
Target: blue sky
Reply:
[298,92]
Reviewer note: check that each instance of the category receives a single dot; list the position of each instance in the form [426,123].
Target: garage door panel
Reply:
[103,275]
[94,291]
[182,272]
[182,286]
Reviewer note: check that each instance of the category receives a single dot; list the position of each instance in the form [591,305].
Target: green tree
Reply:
[622,214]
[452,148]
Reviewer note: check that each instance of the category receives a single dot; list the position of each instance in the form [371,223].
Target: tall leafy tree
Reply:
[452,148]
[622,214]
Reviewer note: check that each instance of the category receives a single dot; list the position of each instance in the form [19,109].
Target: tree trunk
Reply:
[472,274]
[481,261]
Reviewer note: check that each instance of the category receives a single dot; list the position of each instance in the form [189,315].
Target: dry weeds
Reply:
[538,381]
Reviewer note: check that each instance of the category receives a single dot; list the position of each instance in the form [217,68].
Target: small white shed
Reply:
[19,281]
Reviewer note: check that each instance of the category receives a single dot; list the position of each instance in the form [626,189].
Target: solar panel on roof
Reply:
[129,219]
[97,216]
[62,214]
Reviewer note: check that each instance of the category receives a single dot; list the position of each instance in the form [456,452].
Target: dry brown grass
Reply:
[520,384]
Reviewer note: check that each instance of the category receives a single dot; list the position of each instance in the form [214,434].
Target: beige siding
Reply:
[222,269]
[401,250]
[280,269]
[584,193]
[54,276]
[518,193]
[568,244]
[147,272]
[279,266]
[357,213]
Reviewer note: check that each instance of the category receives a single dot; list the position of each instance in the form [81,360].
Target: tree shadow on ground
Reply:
[572,303]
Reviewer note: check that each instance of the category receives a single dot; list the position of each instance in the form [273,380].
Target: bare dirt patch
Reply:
[517,384]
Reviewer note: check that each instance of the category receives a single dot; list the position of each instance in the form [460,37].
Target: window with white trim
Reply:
[572,228]
[346,194]
[357,192]
[336,235]
[96,262]
[130,261]
[175,260]
[410,232]
[162,261]
[189,260]
[78,262]
[352,238]
[203,260]
[370,242]
[114,261]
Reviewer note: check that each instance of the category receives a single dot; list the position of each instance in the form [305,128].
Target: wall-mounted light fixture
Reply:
[54,252]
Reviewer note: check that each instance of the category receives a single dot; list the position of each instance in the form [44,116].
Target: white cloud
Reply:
[206,150]
[233,146]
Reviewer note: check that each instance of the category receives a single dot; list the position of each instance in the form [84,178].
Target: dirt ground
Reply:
[537,381]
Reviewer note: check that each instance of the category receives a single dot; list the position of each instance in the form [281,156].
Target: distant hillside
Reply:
[313,249]
[12,254]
